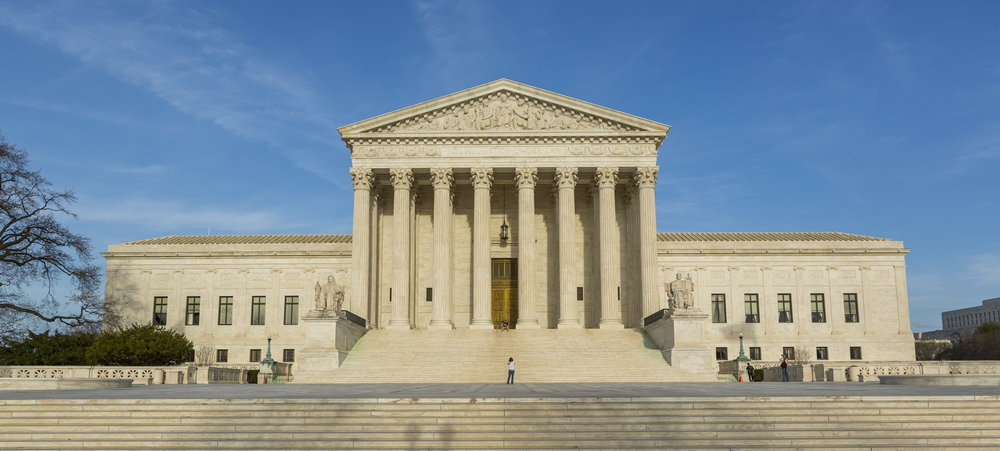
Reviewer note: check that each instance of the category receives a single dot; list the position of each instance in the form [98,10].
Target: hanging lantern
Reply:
[503,227]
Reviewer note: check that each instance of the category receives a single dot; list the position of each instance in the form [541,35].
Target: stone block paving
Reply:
[525,391]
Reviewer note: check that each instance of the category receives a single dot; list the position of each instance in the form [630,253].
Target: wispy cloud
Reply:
[984,268]
[457,33]
[180,56]
[172,216]
[154,169]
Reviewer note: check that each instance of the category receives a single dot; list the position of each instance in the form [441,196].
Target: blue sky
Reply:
[876,118]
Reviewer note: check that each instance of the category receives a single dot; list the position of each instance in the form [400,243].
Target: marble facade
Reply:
[434,183]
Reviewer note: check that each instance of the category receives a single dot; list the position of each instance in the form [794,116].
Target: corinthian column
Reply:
[566,181]
[482,180]
[526,315]
[361,244]
[646,181]
[607,178]
[441,179]
[402,179]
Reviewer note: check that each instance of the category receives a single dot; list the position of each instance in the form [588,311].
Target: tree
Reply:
[983,344]
[140,345]
[35,248]
[45,349]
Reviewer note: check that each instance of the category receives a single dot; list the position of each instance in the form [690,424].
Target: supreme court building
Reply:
[505,202]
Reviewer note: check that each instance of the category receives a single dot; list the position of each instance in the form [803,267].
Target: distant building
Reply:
[972,317]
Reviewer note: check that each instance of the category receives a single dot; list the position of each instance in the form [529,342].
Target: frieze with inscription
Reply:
[504,151]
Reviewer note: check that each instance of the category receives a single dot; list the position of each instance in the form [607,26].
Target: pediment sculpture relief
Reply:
[503,111]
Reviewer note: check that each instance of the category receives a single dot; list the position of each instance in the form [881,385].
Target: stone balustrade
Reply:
[141,375]
[836,371]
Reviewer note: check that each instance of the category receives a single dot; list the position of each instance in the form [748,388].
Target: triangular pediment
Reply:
[503,107]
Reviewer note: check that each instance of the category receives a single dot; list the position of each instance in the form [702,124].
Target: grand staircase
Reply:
[452,356]
[833,423]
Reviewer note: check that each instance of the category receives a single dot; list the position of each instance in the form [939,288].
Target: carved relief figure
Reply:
[329,296]
[681,292]
[504,111]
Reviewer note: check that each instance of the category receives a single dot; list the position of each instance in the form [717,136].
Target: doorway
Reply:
[504,304]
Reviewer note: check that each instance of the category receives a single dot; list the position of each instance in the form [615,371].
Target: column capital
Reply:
[566,177]
[442,178]
[526,177]
[646,176]
[482,177]
[606,177]
[402,178]
[362,178]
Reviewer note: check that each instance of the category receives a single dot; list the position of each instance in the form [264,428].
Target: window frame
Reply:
[755,353]
[718,308]
[822,353]
[856,350]
[255,355]
[291,311]
[193,315]
[225,311]
[285,353]
[721,354]
[258,310]
[160,310]
[789,316]
[817,306]
[751,308]
[789,352]
[851,305]
[222,356]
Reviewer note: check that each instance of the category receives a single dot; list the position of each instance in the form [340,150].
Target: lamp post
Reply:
[741,361]
[268,365]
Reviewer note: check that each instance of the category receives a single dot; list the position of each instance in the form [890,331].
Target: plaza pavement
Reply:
[521,391]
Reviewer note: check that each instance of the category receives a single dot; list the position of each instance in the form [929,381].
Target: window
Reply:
[160,311]
[821,354]
[718,308]
[430,294]
[851,307]
[257,311]
[754,353]
[255,355]
[222,355]
[721,354]
[193,311]
[579,293]
[855,352]
[288,355]
[818,305]
[225,310]
[291,310]
[190,356]
[784,307]
[789,352]
[752,308]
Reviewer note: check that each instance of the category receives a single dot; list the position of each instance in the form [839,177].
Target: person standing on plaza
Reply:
[510,371]
[749,372]
[784,367]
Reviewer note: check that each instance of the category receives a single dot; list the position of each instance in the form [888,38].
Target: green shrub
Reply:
[45,349]
[984,344]
[140,345]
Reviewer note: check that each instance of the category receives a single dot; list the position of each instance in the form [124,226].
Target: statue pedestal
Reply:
[330,336]
[680,334]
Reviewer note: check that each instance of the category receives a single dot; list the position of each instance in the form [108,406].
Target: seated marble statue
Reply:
[680,292]
[329,296]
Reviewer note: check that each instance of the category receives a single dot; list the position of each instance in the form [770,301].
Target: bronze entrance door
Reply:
[504,305]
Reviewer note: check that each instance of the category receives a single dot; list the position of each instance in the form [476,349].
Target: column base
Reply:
[440,324]
[529,323]
[569,324]
[481,324]
[611,324]
[398,324]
